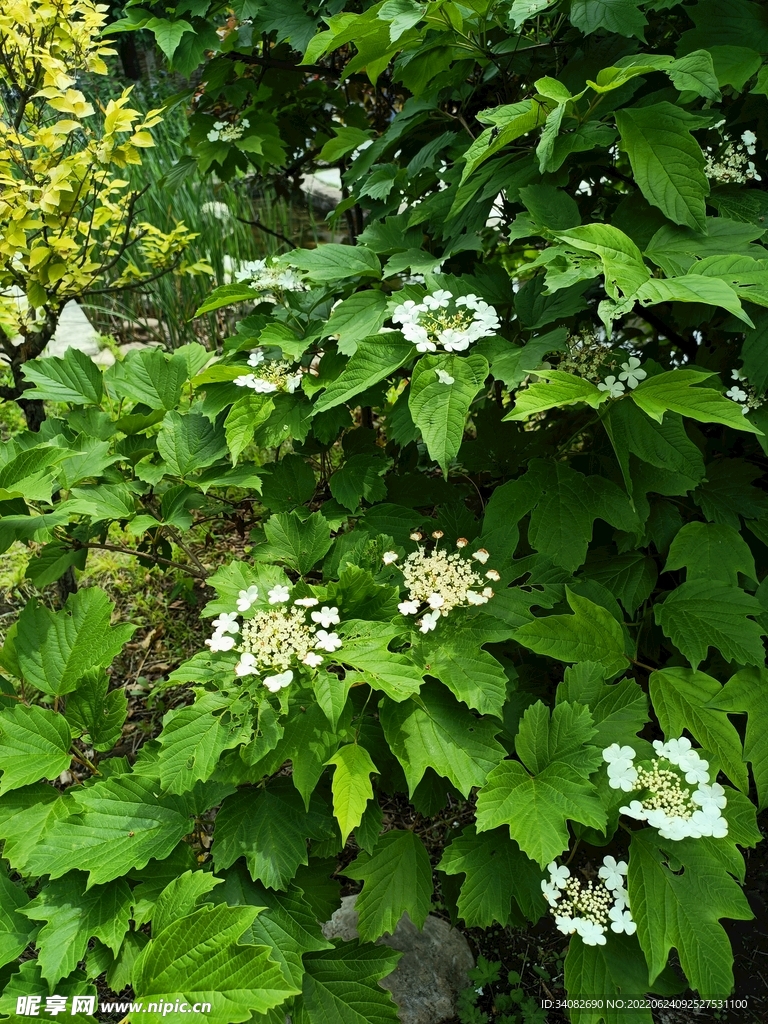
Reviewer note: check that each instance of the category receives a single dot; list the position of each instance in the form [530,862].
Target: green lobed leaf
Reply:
[746,693]
[34,744]
[703,613]
[351,785]
[15,930]
[373,360]
[559,389]
[397,880]
[73,378]
[189,442]
[711,551]
[340,986]
[674,391]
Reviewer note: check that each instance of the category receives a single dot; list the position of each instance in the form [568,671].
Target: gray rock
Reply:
[74,330]
[433,968]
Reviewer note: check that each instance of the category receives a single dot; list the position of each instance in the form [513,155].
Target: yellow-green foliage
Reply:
[67,221]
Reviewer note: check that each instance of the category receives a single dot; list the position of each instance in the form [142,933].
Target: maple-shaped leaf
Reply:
[619,710]
[496,873]
[34,744]
[341,986]
[678,893]
[270,828]
[747,692]
[704,613]
[397,880]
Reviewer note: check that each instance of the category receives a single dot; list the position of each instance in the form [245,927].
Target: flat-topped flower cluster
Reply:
[272,375]
[734,165]
[444,321]
[438,581]
[270,278]
[676,795]
[587,909]
[277,640]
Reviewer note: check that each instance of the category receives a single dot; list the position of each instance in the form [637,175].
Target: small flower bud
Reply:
[462,542]
[416,535]
[437,534]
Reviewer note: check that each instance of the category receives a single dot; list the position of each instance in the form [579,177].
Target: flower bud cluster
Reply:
[589,357]
[438,581]
[273,375]
[588,909]
[677,798]
[733,165]
[443,321]
[277,639]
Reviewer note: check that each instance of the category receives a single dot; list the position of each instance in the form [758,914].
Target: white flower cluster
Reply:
[630,376]
[669,801]
[223,131]
[743,393]
[437,582]
[264,276]
[586,909]
[590,356]
[274,375]
[734,166]
[276,638]
[442,321]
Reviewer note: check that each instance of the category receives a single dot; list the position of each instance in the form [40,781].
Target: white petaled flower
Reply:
[614,387]
[279,594]
[474,598]
[220,642]
[312,659]
[226,623]
[612,872]
[635,810]
[246,666]
[714,794]
[622,775]
[617,753]
[440,321]
[444,377]
[428,621]
[551,892]
[592,933]
[408,607]
[326,616]
[306,602]
[279,681]
[558,873]
[256,358]
[407,312]
[389,557]
[245,598]
[438,300]
[749,139]
[631,372]
[738,375]
[481,555]
[454,340]
[622,921]
[327,641]
[736,394]
[435,601]
[492,574]
[696,773]
[245,380]
[487,592]
[565,924]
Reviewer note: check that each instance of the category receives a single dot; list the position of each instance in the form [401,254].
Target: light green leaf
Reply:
[470,673]
[56,649]
[341,986]
[104,501]
[351,785]
[374,359]
[270,828]
[194,738]
[25,816]
[682,909]
[623,266]
[114,825]
[704,613]
[34,745]
[243,420]
[735,65]
[557,389]
[745,693]
[590,634]
[199,959]
[693,288]
[168,33]
[684,699]
[366,649]
[149,377]
[75,914]
[435,731]
[666,159]
[440,409]
[358,477]
[358,317]
[523,10]
[674,391]
[536,807]
[179,897]
[397,880]
[189,442]
[333,262]
[73,378]
[226,295]
[496,872]
[401,15]
[711,551]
